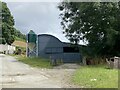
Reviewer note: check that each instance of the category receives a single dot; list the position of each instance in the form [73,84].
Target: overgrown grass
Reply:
[35,62]
[96,77]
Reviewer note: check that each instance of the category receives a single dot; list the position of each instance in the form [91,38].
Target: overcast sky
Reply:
[41,17]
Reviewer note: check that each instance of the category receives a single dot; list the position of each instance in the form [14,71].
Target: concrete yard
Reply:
[14,74]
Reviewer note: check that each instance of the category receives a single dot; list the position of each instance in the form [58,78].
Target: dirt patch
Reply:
[67,66]
[62,74]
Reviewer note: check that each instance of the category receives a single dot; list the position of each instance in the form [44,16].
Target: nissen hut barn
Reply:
[48,46]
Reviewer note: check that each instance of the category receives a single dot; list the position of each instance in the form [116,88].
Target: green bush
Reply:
[20,50]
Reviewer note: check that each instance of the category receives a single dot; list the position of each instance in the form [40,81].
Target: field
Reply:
[96,77]
[19,43]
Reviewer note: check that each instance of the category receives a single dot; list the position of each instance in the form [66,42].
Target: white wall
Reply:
[8,49]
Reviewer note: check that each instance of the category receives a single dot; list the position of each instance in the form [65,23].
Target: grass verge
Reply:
[96,77]
[35,62]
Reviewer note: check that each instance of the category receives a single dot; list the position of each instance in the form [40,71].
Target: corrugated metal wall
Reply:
[51,47]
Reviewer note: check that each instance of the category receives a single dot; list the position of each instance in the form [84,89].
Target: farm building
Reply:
[49,46]
[7,49]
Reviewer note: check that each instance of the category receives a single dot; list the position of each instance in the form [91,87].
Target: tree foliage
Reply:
[9,32]
[98,23]
[20,35]
[7,25]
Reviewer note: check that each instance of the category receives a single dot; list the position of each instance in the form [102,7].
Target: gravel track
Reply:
[15,74]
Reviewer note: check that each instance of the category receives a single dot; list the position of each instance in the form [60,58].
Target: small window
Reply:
[51,50]
[70,49]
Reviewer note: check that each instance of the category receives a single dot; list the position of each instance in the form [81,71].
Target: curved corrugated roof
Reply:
[49,35]
[57,39]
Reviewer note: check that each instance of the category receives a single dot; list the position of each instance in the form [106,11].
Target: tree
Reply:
[20,35]
[95,22]
[7,25]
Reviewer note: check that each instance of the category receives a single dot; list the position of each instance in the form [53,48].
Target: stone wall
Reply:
[114,62]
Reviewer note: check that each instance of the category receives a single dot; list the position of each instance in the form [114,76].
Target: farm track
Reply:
[15,74]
